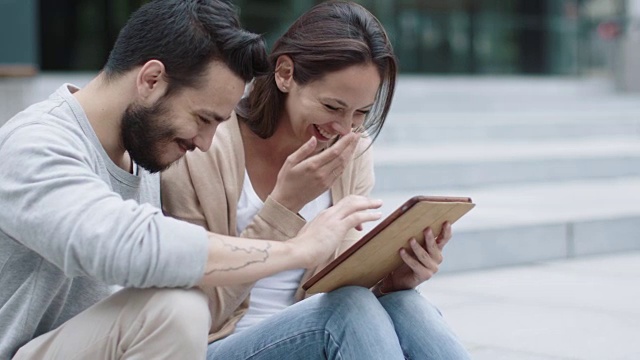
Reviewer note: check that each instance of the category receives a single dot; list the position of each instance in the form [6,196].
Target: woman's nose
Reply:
[343,125]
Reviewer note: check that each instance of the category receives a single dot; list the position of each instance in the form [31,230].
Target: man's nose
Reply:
[205,137]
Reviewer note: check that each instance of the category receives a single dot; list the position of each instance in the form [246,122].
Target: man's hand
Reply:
[233,260]
[320,238]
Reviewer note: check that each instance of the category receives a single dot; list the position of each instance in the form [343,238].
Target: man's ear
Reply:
[151,82]
[284,73]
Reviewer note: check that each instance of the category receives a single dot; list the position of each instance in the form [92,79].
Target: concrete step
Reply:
[455,126]
[512,94]
[460,109]
[527,223]
[433,166]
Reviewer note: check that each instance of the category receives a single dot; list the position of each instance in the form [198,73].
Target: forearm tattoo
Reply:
[254,255]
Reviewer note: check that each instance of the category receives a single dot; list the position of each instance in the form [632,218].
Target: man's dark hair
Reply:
[186,35]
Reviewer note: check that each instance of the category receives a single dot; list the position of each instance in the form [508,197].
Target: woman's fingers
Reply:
[419,252]
[445,235]
[422,267]
[303,152]
[338,163]
[431,246]
[341,151]
[419,272]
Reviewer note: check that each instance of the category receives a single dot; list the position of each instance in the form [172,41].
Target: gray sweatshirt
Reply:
[72,223]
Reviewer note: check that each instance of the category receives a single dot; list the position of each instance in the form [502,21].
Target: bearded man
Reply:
[90,268]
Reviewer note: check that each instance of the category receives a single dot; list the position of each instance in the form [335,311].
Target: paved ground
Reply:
[573,309]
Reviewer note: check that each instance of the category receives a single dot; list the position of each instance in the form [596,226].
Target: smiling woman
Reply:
[317,44]
[329,107]
[296,146]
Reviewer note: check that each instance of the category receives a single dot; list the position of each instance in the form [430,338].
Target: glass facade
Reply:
[430,36]
[78,35]
[18,38]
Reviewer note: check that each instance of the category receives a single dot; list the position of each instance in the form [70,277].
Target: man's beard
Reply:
[146,132]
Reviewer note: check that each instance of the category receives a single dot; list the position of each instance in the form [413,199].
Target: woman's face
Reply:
[332,105]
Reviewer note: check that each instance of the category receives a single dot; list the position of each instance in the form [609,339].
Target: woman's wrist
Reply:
[378,291]
[285,201]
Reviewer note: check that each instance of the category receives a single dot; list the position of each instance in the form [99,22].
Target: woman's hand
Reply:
[304,176]
[420,262]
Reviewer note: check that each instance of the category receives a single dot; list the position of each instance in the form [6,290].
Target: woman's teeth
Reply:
[323,133]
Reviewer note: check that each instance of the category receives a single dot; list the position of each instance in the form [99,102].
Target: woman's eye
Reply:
[330,107]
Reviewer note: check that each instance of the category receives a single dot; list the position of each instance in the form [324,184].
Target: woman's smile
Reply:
[321,134]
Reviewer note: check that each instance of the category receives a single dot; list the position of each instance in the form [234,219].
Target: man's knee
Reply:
[148,323]
[175,316]
[184,310]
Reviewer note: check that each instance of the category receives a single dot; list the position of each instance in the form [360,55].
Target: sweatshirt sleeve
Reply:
[54,203]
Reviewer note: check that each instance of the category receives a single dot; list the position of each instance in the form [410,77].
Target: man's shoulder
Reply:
[46,122]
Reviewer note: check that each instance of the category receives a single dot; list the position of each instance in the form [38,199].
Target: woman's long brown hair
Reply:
[330,37]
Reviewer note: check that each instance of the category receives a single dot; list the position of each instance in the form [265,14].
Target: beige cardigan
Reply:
[204,189]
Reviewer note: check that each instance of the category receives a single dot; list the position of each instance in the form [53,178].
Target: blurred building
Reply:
[430,36]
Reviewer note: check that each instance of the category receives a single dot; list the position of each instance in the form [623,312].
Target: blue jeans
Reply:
[349,323]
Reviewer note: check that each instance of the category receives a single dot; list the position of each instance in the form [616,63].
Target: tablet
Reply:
[376,254]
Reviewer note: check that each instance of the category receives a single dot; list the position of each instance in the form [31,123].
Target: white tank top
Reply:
[276,292]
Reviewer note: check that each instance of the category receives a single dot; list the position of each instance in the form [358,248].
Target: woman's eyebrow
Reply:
[342,103]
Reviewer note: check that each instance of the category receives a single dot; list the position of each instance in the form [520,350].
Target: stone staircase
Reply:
[552,164]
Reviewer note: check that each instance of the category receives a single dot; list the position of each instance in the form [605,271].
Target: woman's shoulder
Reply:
[364,150]
[225,145]
[222,162]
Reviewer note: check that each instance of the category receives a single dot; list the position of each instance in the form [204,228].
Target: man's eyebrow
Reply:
[215,116]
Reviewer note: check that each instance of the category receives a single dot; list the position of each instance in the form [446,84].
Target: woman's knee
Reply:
[409,308]
[356,301]
[352,296]
[407,300]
